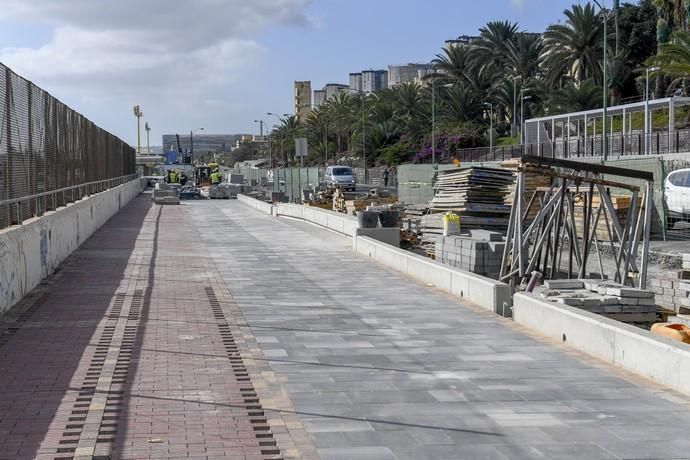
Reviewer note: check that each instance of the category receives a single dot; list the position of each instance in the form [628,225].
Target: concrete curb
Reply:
[662,360]
[32,251]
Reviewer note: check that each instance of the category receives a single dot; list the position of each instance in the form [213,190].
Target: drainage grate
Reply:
[260,426]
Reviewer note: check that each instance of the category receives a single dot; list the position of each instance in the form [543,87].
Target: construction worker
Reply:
[174,178]
[216,177]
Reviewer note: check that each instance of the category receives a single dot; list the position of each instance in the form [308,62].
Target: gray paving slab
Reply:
[379,366]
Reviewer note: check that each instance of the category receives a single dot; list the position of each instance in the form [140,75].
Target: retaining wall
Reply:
[638,350]
[32,251]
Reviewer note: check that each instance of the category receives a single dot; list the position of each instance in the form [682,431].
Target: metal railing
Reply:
[40,203]
[49,150]
[660,142]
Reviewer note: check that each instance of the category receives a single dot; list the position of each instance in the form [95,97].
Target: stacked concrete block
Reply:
[673,290]
[603,297]
[480,252]
[166,194]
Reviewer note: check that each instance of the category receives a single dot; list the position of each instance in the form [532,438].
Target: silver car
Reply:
[340,176]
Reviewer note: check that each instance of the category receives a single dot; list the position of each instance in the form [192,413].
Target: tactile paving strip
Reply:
[262,429]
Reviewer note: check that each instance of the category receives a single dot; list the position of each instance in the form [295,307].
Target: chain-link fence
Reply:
[50,154]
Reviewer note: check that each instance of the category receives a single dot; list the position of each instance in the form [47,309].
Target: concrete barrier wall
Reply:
[33,250]
[638,350]
[266,208]
[485,292]
[338,222]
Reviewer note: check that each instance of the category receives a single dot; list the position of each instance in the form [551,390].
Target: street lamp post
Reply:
[647,127]
[523,98]
[606,15]
[191,142]
[491,124]
[282,150]
[433,117]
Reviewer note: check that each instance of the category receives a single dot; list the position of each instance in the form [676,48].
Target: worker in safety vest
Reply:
[216,177]
[174,178]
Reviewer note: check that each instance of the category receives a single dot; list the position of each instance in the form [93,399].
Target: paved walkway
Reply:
[208,330]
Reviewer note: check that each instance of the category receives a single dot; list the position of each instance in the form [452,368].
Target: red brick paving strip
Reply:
[127,354]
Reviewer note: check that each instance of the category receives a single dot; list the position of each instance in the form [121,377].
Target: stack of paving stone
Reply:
[673,289]
[166,194]
[480,252]
[604,297]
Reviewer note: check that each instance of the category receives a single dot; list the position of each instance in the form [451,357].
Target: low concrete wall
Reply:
[266,208]
[338,222]
[485,292]
[638,350]
[33,250]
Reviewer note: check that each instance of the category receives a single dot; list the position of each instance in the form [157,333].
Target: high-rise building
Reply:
[332,89]
[461,40]
[356,81]
[406,73]
[319,97]
[302,99]
[374,80]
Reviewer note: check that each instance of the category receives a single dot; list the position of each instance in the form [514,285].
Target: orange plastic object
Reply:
[679,332]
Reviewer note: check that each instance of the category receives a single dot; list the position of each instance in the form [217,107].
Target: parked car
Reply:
[340,176]
[677,195]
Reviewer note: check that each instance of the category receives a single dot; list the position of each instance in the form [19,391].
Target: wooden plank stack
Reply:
[477,194]
[621,203]
[534,179]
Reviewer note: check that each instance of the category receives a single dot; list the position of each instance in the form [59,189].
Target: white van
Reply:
[677,195]
[340,176]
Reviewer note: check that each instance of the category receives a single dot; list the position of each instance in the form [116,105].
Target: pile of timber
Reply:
[621,204]
[534,179]
[477,194]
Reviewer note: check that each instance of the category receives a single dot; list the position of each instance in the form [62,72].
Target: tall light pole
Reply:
[514,126]
[282,120]
[605,14]
[148,138]
[261,127]
[138,113]
[647,127]
[523,98]
[433,117]
[491,124]
[191,142]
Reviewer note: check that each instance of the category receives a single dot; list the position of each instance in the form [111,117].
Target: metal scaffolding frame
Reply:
[540,243]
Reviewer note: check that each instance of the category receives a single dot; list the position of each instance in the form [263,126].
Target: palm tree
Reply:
[490,51]
[574,49]
[339,111]
[575,97]
[458,104]
[453,63]
[524,55]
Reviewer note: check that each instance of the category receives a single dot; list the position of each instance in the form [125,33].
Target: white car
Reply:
[340,176]
[677,195]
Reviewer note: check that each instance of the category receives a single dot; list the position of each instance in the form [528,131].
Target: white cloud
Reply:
[162,53]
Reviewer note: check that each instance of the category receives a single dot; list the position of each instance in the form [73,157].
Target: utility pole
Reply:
[138,113]
[148,138]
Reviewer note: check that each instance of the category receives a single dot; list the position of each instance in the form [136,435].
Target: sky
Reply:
[221,64]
